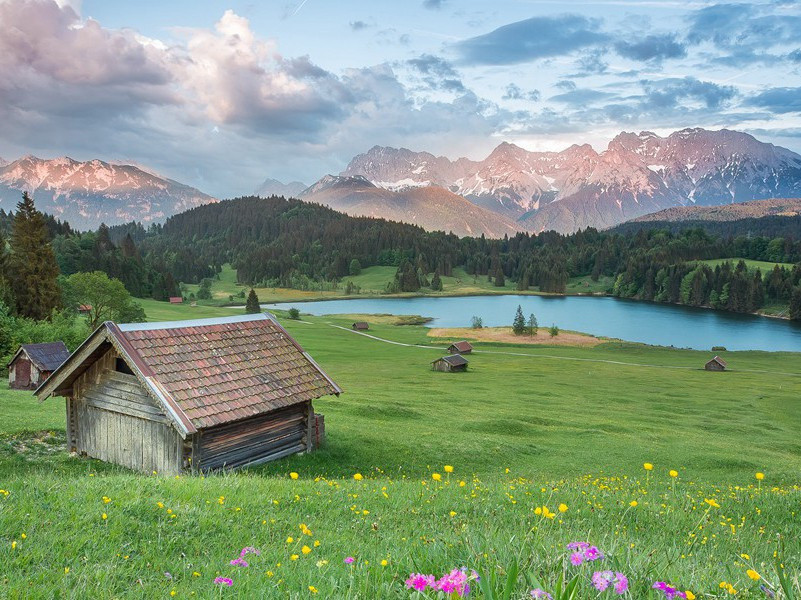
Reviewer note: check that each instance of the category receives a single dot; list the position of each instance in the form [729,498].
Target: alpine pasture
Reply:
[632,449]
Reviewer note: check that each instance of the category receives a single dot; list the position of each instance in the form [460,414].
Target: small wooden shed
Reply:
[176,300]
[190,395]
[84,309]
[462,347]
[716,364]
[450,364]
[360,326]
[33,364]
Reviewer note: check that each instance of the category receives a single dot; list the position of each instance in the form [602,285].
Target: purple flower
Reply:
[621,583]
[592,553]
[349,560]
[420,582]
[239,562]
[249,550]
[602,579]
[669,591]
[578,546]
[576,558]
[540,594]
[223,581]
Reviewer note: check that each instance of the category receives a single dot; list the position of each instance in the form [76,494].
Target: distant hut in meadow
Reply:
[716,364]
[176,300]
[360,326]
[84,309]
[462,347]
[33,363]
[450,364]
[190,395]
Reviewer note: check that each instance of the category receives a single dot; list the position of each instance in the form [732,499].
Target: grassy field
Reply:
[372,281]
[524,427]
[752,265]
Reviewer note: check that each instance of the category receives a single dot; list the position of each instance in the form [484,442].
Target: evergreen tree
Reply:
[33,266]
[436,282]
[499,278]
[519,323]
[252,305]
[355,267]
[532,324]
[795,305]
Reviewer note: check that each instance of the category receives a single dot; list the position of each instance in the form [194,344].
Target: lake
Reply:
[646,322]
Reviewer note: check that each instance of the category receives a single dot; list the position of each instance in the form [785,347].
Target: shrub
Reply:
[294,313]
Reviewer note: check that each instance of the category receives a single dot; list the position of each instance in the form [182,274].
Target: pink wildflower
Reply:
[540,594]
[239,562]
[669,591]
[603,579]
[420,582]
[249,550]
[224,581]
[576,558]
[454,582]
[349,560]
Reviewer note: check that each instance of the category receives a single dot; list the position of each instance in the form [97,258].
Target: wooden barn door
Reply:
[256,440]
[22,374]
[116,421]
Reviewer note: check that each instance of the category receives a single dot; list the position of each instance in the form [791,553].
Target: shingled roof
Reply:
[46,357]
[210,371]
[454,360]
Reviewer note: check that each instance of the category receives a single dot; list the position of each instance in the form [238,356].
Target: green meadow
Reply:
[525,428]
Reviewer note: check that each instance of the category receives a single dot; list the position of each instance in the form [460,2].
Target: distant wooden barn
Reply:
[450,364]
[176,300]
[716,364]
[360,326]
[460,348]
[84,309]
[33,364]
[190,395]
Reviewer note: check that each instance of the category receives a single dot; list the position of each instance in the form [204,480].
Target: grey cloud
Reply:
[747,24]
[795,55]
[566,84]
[433,4]
[651,48]
[581,97]
[513,92]
[779,100]
[591,63]
[667,93]
[358,25]
[439,74]
[531,39]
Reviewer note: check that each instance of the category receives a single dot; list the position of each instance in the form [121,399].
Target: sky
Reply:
[222,95]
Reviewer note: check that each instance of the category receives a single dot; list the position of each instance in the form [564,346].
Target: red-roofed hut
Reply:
[190,395]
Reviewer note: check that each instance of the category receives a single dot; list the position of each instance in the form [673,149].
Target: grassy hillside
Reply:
[753,265]
[524,427]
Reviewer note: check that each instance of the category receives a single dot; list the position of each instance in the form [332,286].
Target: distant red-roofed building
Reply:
[84,309]
[176,300]
[190,395]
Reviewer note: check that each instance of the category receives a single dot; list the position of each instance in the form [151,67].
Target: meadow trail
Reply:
[555,357]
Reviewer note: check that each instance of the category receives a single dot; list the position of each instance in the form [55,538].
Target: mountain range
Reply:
[89,193]
[578,187]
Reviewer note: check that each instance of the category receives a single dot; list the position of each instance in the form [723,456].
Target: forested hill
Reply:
[771,226]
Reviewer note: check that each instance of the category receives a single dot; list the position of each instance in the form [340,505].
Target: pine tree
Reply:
[499,278]
[795,305]
[532,324]
[436,282]
[519,324]
[33,266]
[252,305]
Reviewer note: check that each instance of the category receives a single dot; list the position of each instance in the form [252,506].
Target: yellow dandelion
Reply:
[312,589]
[448,468]
[294,557]
[712,503]
[563,508]
[293,475]
[648,466]
[633,504]
[689,594]
[358,477]
[760,476]
[105,516]
[436,477]
[290,539]
[384,562]
[14,545]
[305,550]
[673,473]
[452,513]
[753,575]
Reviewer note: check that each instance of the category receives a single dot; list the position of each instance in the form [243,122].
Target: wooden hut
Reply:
[462,347]
[33,364]
[190,395]
[84,309]
[450,364]
[360,326]
[716,364]
[176,300]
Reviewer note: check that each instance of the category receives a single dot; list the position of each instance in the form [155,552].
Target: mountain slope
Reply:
[430,207]
[636,175]
[756,209]
[273,187]
[88,193]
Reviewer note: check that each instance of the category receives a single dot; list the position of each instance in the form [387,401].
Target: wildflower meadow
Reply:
[606,495]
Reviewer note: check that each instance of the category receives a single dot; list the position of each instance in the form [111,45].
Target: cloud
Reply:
[358,25]
[744,25]
[439,74]
[778,100]
[513,92]
[591,63]
[531,39]
[795,56]
[433,4]
[673,92]
[580,97]
[652,48]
